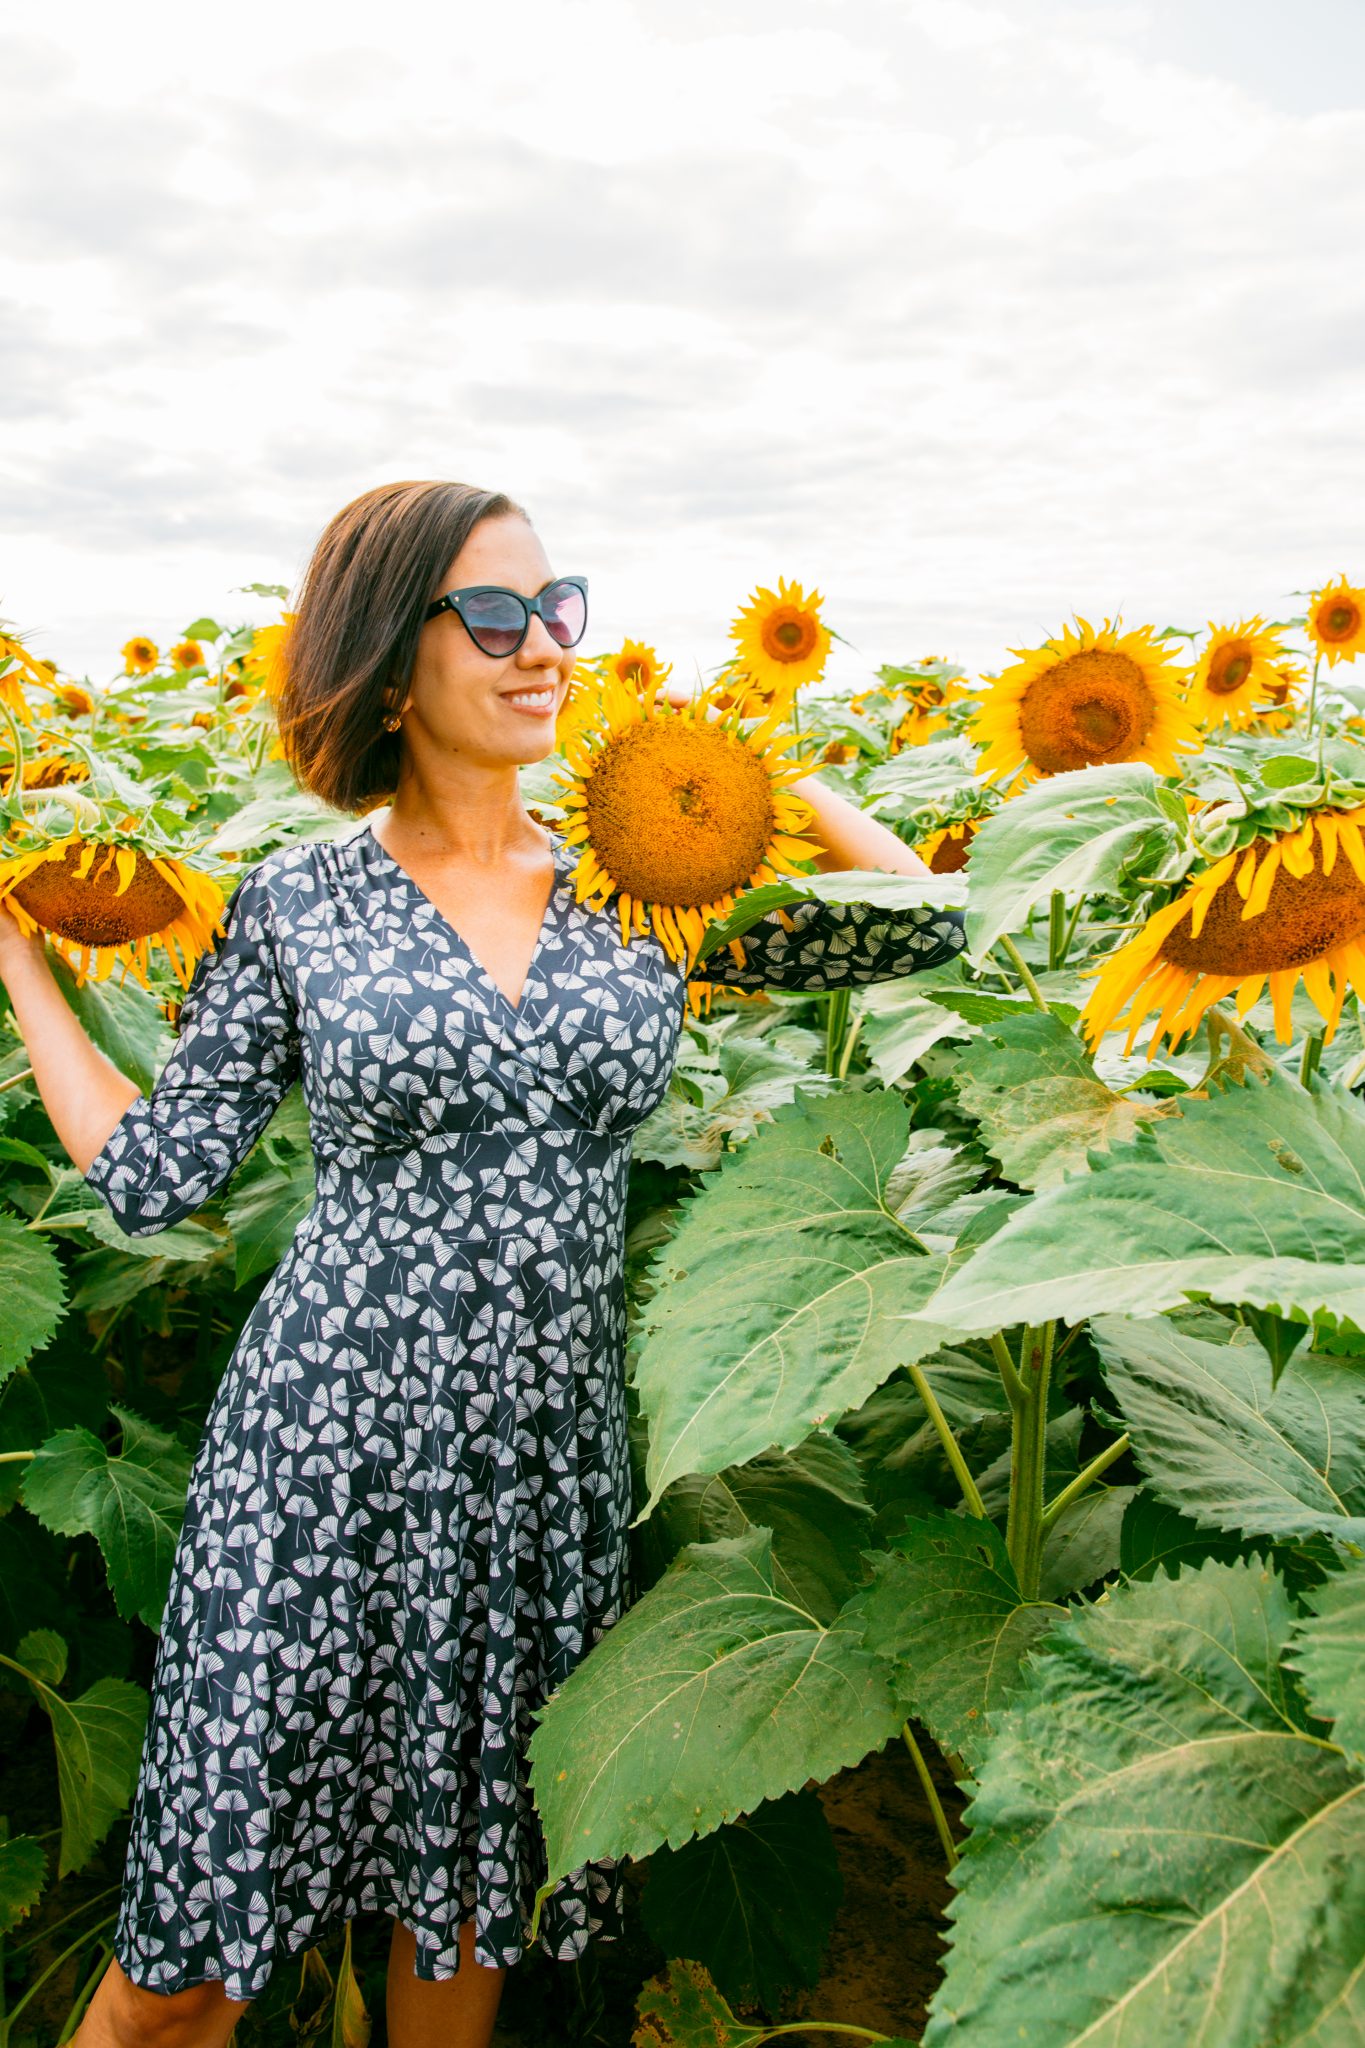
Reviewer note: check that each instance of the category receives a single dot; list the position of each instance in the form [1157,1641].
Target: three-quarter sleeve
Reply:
[235,1056]
[815,945]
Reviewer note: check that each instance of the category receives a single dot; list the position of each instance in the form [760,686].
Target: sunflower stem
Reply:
[949,1441]
[1313,691]
[930,1790]
[1013,1385]
[849,1042]
[1084,1480]
[14,1079]
[836,1024]
[16,780]
[1024,971]
[1312,1053]
[1056,931]
[1028,1460]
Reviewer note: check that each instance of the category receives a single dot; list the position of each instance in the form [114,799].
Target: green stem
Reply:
[15,1457]
[1024,1534]
[836,1024]
[1014,1386]
[1313,692]
[1312,1053]
[15,1079]
[949,1442]
[849,1042]
[55,1965]
[1024,971]
[1084,1480]
[1056,930]
[1071,930]
[945,1833]
[85,1994]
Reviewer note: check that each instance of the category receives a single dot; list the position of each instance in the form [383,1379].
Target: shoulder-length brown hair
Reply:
[350,651]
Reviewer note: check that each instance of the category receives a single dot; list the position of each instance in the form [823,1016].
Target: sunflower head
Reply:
[637,665]
[1086,697]
[676,809]
[187,654]
[1237,672]
[140,655]
[103,903]
[270,655]
[73,698]
[781,637]
[1336,621]
[1284,907]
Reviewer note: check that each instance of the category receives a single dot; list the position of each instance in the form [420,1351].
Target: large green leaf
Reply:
[682,2008]
[1085,1542]
[722,1100]
[23,1873]
[754,1900]
[782,1296]
[900,1024]
[34,1295]
[1041,1106]
[811,1498]
[99,1745]
[1155,1537]
[711,1694]
[1329,1652]
[62,1385]
[132,1504]
[1079,832]
[1159,1851]
[1220,1441]
[944,1609]
[1256,1194]
[124,1020]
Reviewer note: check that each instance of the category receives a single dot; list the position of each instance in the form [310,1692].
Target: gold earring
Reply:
[393,721]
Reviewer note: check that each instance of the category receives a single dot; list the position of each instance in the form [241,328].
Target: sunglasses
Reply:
[498,620]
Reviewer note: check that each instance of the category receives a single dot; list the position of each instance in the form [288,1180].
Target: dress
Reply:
[406,1518]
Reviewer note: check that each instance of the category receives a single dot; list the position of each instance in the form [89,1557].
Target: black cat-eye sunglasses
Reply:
[497,620]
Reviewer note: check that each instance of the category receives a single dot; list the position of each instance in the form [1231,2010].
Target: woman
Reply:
[406,1520]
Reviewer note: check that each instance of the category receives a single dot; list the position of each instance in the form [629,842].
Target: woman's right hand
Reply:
[17,946]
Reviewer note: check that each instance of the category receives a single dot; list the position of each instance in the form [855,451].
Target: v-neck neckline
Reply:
[517,1008]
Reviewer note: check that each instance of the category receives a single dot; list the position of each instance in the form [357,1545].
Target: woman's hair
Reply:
[351,647]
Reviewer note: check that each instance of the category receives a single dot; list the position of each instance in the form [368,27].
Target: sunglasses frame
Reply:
[453,602]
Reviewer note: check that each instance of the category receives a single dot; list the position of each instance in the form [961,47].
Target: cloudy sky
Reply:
[971,315]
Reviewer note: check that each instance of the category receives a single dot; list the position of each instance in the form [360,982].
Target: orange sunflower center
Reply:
[89,912]
[789,634]
[1339,620]
[1229,668]
[679,813]
[1092,706]
[1306,916]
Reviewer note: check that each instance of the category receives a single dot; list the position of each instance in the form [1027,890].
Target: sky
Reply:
[970,316]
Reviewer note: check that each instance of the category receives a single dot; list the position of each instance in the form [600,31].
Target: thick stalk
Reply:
[1312,1053]
[1313,692]
[949,1442]
[1024,1535]
[836,1024]
[930,1790]
[1024,971]
[1056,930]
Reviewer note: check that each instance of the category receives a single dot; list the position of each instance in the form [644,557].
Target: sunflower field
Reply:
[997,1363]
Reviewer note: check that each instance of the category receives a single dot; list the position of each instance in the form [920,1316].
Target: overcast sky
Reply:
[970,315]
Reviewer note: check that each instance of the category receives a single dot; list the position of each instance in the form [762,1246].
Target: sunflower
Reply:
[676,809]
[734,689]
[73,698]
[1287,905]
[270,655]
[1236,672]
[1336,621]
[140,655]
[187,654]
[945,852]
[1085,698]
[782,641]
[637,664]
[51,767]
[1281,707]
[99,912]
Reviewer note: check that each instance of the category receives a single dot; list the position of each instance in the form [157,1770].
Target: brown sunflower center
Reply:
[789,635]
[88,912]
[1305,917]
[631,671]
[1089,707]
[1339,621]
[1229,668]
[679,813]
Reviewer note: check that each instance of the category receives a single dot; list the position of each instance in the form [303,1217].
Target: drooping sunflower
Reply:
[1236,672]
[1282,704]
[73,698]
[782,639]
[676,809]
[1287,906]
[102,904]
[187,654]
[1087,697]
[945,852]
[140,655]
[50,768]
[270,655]
[1336,621]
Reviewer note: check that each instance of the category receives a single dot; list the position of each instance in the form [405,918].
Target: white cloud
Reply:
[969,315]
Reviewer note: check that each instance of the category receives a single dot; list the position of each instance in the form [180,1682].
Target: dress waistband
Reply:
[553,1183]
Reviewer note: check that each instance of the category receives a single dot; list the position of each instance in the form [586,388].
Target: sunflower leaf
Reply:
[132,1504]
[1150,1807]
[788,1292]
[98,1739]
[23,1874]
[682,2008]
[124,1021]
[34,1293]
[1070,833]
[1254,1194]
[711,1694]
[1222,1442]
[1329,1654]
[754,1901]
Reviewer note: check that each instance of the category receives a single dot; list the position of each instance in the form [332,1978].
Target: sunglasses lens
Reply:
[566,613]
[496,621]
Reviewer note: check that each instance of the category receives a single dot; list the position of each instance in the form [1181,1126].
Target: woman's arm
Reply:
[83,1092]
[850,837]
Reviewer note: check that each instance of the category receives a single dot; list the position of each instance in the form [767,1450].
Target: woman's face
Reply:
[493,709]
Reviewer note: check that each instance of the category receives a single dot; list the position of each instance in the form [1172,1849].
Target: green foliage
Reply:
[131,1503]
[1329,1654]
[1254,1194]
[124,1020]
[754,1901]
[780,1300]
[711,1694]
[98,1739]
[1220,1441]
[1158,1840]
[34,1293]
[23,1875]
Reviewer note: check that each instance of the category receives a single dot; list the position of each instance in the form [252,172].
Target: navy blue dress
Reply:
[406,1520]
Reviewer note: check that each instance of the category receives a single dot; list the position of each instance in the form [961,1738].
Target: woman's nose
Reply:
[538,650]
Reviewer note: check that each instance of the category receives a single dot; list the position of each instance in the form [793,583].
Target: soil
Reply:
[880,1969]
